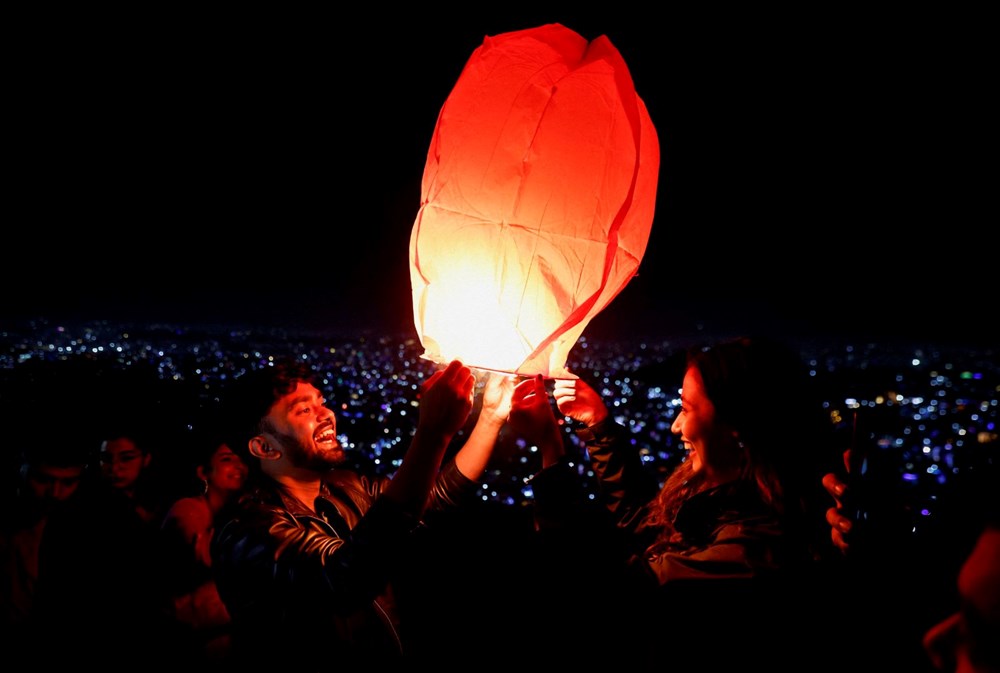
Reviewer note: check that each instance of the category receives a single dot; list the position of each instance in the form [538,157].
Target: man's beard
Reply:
[303,457]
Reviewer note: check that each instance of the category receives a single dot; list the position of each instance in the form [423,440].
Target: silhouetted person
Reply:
[51,474]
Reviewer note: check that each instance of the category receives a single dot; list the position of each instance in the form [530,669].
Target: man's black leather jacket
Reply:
[302,587]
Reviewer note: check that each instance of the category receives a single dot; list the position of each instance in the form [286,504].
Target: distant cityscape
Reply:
[928,414]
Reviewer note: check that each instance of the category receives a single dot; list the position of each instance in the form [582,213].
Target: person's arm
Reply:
[532,418]
[445,403]
[625,485]
[474,456]
[562,511]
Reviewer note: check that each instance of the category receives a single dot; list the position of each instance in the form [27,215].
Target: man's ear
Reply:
[261,449]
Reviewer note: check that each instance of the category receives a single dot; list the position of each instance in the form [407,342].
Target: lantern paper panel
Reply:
[536,202]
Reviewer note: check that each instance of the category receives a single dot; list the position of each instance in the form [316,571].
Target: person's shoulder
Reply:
[253,515]
[259,503]
[187,506]
[188,512]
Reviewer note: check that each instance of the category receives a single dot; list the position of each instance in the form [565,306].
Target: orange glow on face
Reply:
[537,201]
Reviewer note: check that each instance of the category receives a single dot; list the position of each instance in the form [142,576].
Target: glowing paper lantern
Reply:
[537,201]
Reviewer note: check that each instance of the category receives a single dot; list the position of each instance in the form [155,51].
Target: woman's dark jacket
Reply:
[731,580]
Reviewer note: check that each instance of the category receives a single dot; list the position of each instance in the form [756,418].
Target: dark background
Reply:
[820,172]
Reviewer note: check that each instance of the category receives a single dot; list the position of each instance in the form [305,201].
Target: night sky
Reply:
[818,173]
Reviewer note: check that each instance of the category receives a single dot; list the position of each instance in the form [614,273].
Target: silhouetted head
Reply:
[123,459]
[52,472]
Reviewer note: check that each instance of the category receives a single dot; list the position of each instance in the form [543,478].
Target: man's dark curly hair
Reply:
[250,396]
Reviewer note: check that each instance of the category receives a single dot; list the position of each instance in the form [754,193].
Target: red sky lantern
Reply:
[536,202]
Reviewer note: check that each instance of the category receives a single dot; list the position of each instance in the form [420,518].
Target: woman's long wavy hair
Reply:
[762,390]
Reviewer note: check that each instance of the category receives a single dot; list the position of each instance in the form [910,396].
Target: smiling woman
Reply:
[732,536]
[199,617]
